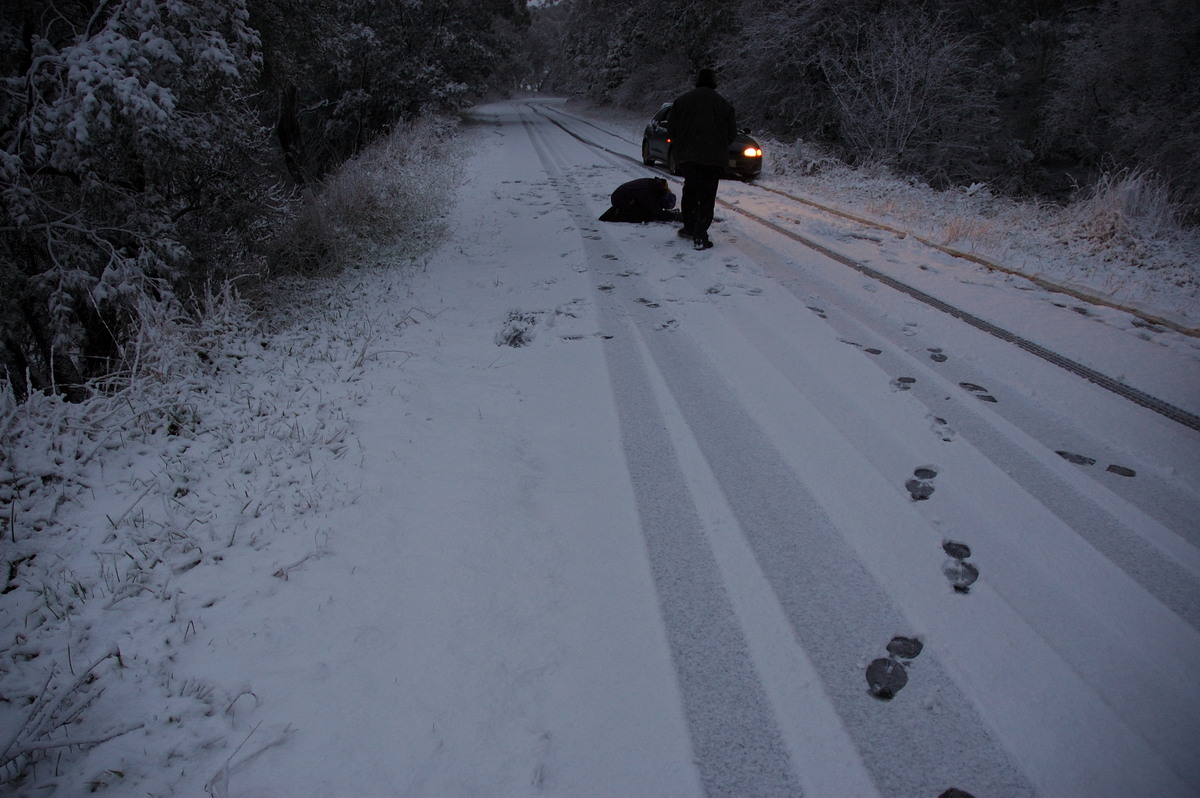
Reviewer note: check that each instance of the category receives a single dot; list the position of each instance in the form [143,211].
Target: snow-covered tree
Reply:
[907,90]
[1127,92]
[345,71]
[127,161]
[140,145]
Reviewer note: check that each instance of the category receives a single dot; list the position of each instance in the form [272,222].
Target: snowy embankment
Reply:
[358,545]
[202,467]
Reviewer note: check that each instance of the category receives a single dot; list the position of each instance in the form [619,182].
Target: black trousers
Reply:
[699,198]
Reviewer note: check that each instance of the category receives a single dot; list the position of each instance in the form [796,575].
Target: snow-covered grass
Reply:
[211,443]
[1119,240]
[393,193]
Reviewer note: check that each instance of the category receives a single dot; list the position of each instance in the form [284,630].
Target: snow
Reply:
[369,548]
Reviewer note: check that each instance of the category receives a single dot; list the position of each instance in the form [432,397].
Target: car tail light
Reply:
[752,152]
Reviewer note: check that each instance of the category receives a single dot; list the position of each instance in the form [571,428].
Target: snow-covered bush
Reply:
[907,91]
[799,158]
[140,145]
[131,166]
[1126,90]
[1126,206]
[392,196]
[212,435]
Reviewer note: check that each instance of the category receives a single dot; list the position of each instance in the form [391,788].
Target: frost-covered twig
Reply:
[218,785]
[100,444]
[48,714]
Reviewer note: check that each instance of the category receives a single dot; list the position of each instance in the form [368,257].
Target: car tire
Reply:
[647,158]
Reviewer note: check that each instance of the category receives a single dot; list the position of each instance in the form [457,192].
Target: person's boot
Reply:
[702,242]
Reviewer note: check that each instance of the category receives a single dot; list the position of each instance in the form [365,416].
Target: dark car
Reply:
[745,156]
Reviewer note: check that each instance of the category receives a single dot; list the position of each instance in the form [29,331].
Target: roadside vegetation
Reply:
[1032,98]
[213,405]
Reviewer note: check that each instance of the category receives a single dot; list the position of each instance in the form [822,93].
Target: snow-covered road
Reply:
[656,549]
[792,416]
[627,519]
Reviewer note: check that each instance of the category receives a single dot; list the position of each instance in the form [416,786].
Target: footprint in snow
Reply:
[961,573]
[903,383]
[936,355]
[819,311]
[942,428]
[888,675]
[920,486]
[979,391]
[1079,459]
[857,345]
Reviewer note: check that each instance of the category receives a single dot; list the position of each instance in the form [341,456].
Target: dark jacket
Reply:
[701,126]
[649,194]
[647,199]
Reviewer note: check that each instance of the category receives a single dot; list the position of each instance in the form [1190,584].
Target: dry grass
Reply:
[974,232]
[1123,213]
[390,196]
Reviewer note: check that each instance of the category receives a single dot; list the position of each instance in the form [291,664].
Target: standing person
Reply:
[701,126]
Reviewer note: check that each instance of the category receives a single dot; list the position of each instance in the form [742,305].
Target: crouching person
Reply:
[648,199]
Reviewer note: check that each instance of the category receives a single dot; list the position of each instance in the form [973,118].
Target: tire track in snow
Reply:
[1159,563]
[836,609]
[735,736]
[1055,611]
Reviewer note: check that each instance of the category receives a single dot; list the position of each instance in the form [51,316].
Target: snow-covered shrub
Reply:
[392,196]
[131,168]
[1124,89]
[904,83]
[1125,206]
[800,158]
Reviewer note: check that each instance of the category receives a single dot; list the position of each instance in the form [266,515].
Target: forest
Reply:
[154,152]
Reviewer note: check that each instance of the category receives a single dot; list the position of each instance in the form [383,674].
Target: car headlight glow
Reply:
[752,152]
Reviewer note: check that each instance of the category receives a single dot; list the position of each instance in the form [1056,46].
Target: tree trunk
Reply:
[287,128]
